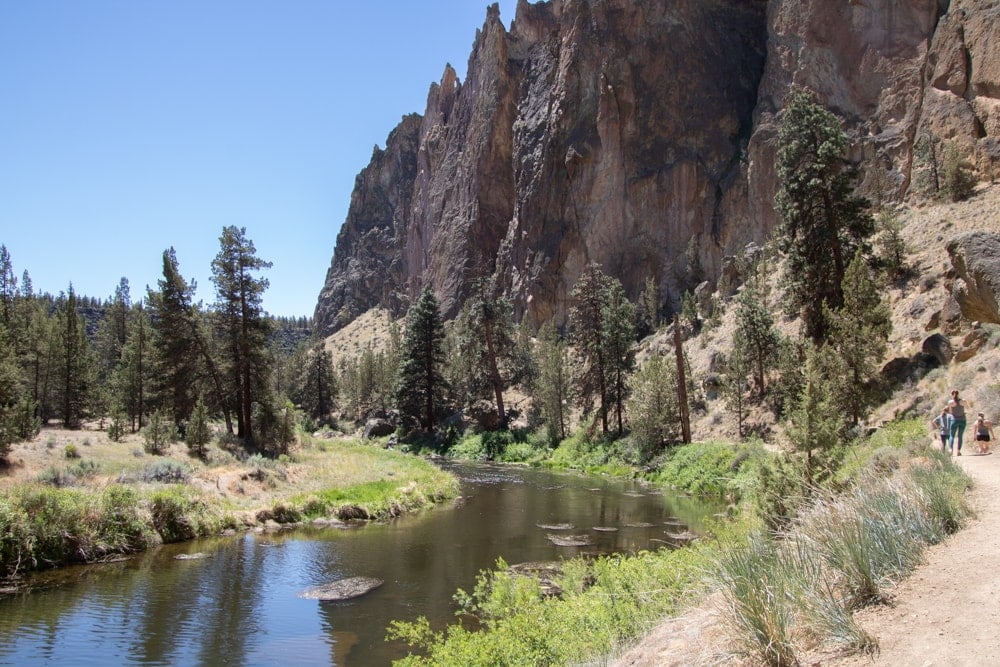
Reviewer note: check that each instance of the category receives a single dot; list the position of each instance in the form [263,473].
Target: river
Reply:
[240,605]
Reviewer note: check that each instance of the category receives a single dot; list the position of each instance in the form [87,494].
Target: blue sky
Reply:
[127,127]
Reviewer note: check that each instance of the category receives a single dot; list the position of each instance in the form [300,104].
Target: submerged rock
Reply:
[195,556]
[571,540]
[555,526]
[343,589]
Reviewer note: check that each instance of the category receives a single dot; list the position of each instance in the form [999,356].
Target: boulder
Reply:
[378,427]
[975,257]
[939,347]
[343,589]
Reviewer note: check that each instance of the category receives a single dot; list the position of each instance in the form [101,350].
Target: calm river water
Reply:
[241,606]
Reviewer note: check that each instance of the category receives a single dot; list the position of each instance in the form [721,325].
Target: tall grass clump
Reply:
[871,537]
[757,585]
[941,486]
[179,514]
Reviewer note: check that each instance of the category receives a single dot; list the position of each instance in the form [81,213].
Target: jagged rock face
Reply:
[368,267]
[627,140]
[962,93]
[639,135]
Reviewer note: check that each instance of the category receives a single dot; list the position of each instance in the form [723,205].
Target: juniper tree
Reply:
[653,410]
[199,431]
[241,325]
[822,222]
[421,388]
[815,423]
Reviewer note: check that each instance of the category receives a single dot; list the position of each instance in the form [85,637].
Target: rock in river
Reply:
[343,589]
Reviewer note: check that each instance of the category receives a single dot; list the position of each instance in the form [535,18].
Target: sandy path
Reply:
[944,614]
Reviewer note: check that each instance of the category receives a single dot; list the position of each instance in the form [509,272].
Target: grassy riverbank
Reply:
[862,525]
[75,496]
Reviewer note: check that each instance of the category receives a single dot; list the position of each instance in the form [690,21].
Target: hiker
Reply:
[983,429]
[943,424]
[957,406]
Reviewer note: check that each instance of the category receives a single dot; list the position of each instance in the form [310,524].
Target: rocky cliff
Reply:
[642,136]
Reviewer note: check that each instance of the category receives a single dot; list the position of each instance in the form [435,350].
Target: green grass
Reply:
[606,603]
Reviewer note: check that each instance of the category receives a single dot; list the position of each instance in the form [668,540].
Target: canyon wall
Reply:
[642,136]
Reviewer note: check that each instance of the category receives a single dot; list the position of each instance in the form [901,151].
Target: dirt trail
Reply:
[944,614]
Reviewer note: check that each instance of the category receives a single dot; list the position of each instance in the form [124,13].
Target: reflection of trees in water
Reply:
[240,606]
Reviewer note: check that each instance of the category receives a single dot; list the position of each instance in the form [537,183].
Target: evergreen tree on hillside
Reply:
[859,333]
[319,387]
[653,406]
[823,223]
[815,423]
[602,328]
[757,338]
[586,327]
[618,339]
[241,325]
[420,387]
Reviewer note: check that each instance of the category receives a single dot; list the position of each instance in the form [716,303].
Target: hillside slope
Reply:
[936,616]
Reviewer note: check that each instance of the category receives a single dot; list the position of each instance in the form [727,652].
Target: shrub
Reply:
[179,515]
[495,443]
[71,451]
[124,527]
[53,476]
[959,177]
[165,472]
[700,468]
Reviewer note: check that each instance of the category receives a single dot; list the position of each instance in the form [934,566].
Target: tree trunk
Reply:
[682,400]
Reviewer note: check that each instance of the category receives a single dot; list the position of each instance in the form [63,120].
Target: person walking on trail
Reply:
[983,428]
[957,406]
[943,425]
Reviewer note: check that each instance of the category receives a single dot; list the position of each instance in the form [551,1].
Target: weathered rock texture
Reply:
[975,257]
[642,136]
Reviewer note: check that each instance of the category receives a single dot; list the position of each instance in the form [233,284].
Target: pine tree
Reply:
[815,424]
[488,345]
[586,325]
[421,387]
[131,378]
[75,361]
[552,389]
[320,388]
[823,223]
[602,329]
[859,333]
[241,324]
[618,338]
[757,337]
[199,432]
[649,308]
[735,388]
